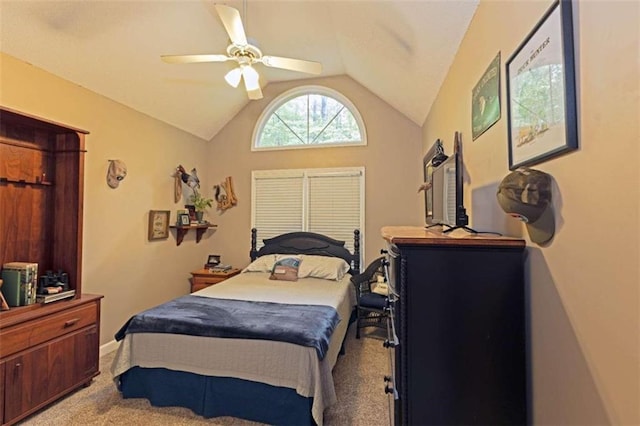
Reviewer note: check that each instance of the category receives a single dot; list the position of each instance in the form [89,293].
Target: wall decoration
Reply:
[116,172]
[177,185]
[541,91]
[224,194]
[158,224]
[485,99]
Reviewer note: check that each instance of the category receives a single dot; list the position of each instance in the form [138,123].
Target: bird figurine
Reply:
[191,180]
[194,180]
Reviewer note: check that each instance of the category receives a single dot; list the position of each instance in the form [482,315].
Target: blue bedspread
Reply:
[306,325]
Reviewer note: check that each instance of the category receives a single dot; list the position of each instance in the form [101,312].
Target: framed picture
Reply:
[213,259]
[485,99]
[184,220]
[541,91]
[158,224]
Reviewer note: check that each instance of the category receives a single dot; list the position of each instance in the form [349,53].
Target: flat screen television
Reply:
[444,197]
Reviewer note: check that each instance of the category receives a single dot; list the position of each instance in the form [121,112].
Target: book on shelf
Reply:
[48,298]
[20,282]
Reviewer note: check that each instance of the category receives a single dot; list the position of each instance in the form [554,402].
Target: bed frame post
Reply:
[356,250]
[253,253]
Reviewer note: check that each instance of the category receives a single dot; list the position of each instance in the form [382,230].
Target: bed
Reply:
[229,370]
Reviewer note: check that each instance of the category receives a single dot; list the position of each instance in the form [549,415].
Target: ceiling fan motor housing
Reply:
[247,54]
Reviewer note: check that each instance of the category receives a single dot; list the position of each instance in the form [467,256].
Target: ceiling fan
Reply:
[245,54]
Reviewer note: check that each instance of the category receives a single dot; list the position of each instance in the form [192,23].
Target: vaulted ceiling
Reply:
[399,50]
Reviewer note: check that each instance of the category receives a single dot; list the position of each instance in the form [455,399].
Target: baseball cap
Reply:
[117,171]
[526,194]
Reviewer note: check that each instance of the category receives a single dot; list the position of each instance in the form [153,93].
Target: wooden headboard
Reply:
[308,243]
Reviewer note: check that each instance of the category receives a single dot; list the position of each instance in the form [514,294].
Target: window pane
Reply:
[294,115]
[309,119]
[276,133]
[342,129]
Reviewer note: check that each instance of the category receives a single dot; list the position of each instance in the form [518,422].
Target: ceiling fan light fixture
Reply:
[233,77]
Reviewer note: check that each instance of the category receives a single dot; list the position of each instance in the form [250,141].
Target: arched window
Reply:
[309,117]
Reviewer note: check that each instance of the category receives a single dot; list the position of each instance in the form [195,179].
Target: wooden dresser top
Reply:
[419,235]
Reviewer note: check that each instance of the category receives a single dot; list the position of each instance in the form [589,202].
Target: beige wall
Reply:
[583,287]
[392,161]
[131,272]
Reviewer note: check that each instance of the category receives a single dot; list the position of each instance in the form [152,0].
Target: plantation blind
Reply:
[325,201]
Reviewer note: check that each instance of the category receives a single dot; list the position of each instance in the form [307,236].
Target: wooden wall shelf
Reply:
[181,231]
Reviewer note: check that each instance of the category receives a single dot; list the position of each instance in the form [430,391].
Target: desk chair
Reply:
[370,309]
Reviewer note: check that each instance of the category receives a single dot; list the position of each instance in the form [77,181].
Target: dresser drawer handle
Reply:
[71,322]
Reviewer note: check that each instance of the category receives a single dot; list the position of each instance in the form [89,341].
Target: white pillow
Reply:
[261,264]
[328,268]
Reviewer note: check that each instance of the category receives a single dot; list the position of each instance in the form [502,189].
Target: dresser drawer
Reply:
[204,278]
[31,333]
[205,281]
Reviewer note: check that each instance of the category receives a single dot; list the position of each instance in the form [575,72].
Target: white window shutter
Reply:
[324,201]
[278,205]
[335,205]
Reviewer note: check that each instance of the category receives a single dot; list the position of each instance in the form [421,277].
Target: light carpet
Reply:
[358,377]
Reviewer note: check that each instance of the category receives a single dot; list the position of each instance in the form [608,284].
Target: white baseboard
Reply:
[108,347]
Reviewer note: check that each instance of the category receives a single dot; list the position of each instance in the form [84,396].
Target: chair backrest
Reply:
[362,281]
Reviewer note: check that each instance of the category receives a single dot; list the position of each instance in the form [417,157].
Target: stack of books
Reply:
[48,298]
[219,268]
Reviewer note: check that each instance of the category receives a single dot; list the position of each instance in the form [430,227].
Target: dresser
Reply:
[457,328]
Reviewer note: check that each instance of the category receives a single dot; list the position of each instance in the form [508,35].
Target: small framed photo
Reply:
[158,224]
[184,219]
[213,259]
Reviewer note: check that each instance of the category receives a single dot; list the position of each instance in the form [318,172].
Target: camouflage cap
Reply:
[526,194]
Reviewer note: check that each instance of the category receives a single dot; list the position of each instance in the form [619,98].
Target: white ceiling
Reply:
[399,50]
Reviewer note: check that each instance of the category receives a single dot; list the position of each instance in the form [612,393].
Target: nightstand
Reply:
[203,278]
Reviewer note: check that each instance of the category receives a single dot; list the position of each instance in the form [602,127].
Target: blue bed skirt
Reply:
[217,396]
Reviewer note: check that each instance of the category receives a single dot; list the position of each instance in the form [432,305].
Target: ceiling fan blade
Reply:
[232,22]
[188,59]
[251,82]
[292,64]
[255,94]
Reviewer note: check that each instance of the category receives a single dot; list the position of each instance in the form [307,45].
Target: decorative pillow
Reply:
[261,264]
[328,268]
[285,269]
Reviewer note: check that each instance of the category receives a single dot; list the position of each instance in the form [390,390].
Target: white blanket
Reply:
[275,363]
